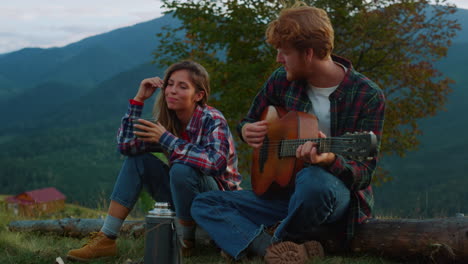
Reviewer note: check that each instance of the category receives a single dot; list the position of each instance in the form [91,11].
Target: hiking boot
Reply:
[98,246]
[186,247]
[292,253]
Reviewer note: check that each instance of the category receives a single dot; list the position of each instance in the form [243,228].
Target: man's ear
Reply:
[309,54]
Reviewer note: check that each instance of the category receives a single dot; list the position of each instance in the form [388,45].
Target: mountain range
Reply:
[63,107]
[87,62]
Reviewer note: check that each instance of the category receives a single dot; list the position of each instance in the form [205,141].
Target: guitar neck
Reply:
[288,146]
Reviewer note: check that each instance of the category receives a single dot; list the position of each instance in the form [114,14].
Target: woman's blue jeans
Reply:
[235,219]
[177,185]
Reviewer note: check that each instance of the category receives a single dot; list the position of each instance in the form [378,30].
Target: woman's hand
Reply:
[151,132]
[147,88]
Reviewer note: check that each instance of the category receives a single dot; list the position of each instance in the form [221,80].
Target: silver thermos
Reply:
[161,243]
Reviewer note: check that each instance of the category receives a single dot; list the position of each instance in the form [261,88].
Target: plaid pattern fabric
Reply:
[210,147]
[357,104]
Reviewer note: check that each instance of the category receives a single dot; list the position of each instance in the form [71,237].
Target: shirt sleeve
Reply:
[128,144]
[357,175]
[264,98]
[210,156]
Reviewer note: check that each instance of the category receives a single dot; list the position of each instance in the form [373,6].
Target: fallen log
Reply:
[73,227]
[81,227]
[438,240]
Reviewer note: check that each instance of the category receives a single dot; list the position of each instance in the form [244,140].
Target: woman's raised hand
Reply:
[150,131]
[147,88]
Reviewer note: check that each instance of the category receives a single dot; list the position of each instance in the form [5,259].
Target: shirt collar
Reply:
[342,60]
[340,91]
[195,121]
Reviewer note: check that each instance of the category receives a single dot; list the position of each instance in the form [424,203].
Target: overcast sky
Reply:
[52,23]
[49,23]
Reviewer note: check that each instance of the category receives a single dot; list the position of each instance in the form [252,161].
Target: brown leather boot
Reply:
[98,246]
[292,253]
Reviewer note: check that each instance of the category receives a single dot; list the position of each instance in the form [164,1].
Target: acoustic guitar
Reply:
[275,161]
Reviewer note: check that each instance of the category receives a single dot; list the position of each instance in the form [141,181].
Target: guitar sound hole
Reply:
[263,153]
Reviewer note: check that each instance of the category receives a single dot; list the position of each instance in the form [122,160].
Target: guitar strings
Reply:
[272,148]
[301,141]
[289,147]
[341,149]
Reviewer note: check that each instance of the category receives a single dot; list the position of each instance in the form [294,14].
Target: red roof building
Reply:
[36,202]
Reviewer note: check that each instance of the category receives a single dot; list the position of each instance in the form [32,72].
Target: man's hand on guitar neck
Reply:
[254,133]
[308,153]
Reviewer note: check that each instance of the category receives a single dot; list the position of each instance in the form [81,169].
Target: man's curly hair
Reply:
[302,27]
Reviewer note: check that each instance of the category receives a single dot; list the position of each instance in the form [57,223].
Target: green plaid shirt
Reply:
[358,104]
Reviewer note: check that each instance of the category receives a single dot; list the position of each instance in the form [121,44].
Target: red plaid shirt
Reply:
[358,104]
[209,146]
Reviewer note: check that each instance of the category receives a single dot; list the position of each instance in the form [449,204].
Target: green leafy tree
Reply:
[394,42]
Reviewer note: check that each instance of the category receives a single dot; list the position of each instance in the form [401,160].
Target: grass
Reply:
[38,248]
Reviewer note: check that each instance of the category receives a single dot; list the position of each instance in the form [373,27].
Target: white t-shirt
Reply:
[321,106]
[319,97]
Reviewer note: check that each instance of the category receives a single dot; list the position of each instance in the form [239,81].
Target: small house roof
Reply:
[46,195]
[37,196]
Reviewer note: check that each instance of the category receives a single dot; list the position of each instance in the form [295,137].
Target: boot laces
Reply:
[93,238]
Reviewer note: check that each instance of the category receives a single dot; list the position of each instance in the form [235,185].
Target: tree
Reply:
[394,42]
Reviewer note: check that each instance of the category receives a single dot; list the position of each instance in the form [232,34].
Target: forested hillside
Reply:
[72,147]
[432,181]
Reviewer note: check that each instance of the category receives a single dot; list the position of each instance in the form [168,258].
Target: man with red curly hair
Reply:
[332,191]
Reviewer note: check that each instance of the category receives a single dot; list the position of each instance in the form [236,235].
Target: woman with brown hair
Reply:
[195,138]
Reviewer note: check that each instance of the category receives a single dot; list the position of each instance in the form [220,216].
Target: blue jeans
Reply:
[235,219]
[177,185]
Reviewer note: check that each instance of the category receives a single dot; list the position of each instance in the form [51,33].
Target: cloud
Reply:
[32,23]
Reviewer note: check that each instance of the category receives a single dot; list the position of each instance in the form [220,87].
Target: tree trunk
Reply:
[438,240]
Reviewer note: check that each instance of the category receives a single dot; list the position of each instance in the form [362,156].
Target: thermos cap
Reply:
[161,209]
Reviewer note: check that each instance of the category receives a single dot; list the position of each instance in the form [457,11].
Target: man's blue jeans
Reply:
[235,219]
[177,185]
